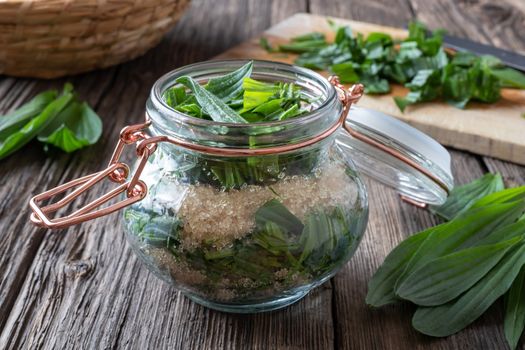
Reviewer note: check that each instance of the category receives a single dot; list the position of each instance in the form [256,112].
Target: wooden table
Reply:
[83,288]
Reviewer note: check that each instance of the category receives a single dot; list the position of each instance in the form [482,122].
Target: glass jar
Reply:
[247,228]
[251,233]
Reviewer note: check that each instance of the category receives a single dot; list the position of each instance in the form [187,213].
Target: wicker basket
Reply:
[52,38]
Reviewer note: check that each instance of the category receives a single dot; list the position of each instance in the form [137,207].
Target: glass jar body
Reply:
[248,234]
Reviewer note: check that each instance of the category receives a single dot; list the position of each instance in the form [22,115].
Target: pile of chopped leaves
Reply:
[420,63]
[236,98]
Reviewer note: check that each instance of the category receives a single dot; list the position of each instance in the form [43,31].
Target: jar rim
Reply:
[165,81]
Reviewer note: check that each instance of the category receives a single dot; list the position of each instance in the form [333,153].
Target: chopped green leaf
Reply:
[510,77]
[257,92]
[229,86]
[212,104]
[263,42]
[345,71]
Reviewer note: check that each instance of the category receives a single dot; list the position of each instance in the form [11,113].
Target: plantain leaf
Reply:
[79,126]
[447,319]
[13,121]
[275,212]
[444,278]
[174,96]
[411,252]
[257,92]
[30,129]
[505,196]
[461,198]
[227,87]
[510,77]
[463,232]
[211,104]
[381,286]
[514,321]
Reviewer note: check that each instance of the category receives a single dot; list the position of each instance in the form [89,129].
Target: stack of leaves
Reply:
[55,119]
[419,63]
[236,98]
[280,242]
[456,270]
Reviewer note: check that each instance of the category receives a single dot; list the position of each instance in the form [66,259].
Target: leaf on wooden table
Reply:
[447,319]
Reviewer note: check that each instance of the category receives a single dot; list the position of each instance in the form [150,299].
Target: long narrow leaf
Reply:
[514,322]
[443,279]
[214,106]
[450,318]
[505,196]
[463,197]
[381,286]
[18,139]
[228,86]
[11,122]
[462,232]
[274,211]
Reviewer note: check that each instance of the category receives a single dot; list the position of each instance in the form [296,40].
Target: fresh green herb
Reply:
[229,86]
[12,122]
[430,244]
[456,270]
[263,42]
[514,322]
[281,248]
[419,63]
[210,103]
[461,198]
[237,98]
[77,126]
[445,278]
[509,77]
[447,319]
[305,43]
[59,120]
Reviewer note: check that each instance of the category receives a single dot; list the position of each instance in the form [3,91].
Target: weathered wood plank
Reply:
[85,289]
[25,173]
[498,23]
[394,13]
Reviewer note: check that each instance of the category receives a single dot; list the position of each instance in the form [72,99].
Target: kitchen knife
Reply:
[509,58]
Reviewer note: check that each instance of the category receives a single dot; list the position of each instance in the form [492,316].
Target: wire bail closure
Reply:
[134,188]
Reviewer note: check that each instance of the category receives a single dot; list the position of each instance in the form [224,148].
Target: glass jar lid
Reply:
[398,155]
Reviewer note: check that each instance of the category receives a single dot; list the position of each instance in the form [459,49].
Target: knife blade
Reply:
[509,58]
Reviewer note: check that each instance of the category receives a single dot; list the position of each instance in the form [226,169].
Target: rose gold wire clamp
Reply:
[135,189]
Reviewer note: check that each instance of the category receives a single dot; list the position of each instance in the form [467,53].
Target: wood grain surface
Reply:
[82,288]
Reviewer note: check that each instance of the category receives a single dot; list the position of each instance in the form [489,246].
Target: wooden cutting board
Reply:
[496,130]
